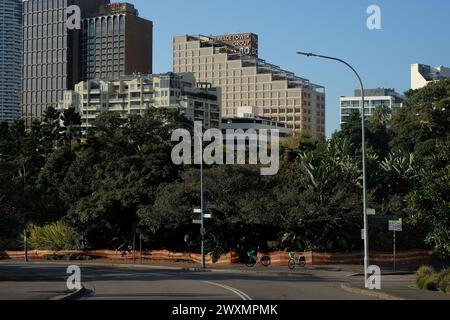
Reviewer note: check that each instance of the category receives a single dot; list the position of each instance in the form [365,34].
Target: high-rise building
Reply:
[116,43]
[422,74]
[135,94]
[10,59]
[51,59]
[374,98]
[247,81]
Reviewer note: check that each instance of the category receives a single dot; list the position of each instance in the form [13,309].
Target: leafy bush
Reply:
[55,236]
[422,276]
[432,282]
[444,280]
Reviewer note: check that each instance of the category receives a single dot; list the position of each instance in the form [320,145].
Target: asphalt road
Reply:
[41,282]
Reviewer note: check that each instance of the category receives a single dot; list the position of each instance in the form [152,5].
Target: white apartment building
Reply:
[373,98]
[422,74]
[136,94]
[247,81]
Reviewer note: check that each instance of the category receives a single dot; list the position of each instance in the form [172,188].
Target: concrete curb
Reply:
[370,293]
[69,296]
[400,273]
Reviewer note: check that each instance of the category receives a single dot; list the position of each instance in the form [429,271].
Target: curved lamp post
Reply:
[202,207]
[363,124]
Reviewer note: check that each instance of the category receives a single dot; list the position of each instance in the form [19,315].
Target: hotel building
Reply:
[231,63]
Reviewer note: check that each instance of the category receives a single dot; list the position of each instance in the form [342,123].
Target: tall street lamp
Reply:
[202,213]
[363,125]
[202,207]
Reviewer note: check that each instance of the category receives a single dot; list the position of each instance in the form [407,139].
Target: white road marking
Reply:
[239,293]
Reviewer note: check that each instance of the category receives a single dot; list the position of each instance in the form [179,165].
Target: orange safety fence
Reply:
[277,258]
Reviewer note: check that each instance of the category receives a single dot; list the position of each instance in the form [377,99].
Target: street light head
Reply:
[308,54]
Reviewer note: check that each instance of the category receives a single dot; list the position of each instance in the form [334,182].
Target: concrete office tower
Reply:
[374,98]
[422,74]
[10,59]
[247,81]
[51,59]
[116,43]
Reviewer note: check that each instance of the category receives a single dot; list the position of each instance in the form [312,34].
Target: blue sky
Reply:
[412,31]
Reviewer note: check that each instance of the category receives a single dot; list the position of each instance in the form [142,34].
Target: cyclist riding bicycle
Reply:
[253,259]
[293,260]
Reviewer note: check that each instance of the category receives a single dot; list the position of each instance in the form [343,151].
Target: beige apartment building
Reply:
[248,81]
[135,94]
[422,74]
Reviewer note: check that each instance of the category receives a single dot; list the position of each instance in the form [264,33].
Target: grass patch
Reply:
[428,279]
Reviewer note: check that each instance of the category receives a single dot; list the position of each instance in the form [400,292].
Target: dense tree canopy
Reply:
[119,178]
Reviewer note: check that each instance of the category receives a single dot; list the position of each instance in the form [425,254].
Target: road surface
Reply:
[45,281]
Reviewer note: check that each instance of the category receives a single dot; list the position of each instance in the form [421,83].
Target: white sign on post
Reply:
[396,225]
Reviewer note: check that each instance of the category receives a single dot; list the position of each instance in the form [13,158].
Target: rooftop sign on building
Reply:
[118,8]
[244,43]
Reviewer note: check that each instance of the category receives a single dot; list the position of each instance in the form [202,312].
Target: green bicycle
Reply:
[294,261]
[253,259]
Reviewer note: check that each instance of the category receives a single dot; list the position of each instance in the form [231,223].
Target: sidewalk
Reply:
[396,287]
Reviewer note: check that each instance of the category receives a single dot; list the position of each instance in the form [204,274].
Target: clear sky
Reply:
[413,31]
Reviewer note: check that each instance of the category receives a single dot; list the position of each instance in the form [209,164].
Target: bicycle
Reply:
[125,249]
[294,261]
[254,259]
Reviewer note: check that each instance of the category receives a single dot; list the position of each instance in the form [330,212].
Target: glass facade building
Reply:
[10,59]
[51,62]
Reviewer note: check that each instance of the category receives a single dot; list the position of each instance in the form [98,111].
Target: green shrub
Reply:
[55,236]
[444,280]
[422,276]
[432,282]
